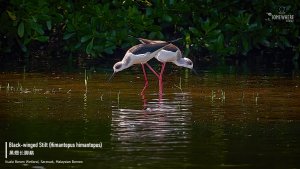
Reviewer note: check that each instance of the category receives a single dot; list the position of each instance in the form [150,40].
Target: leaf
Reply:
[213,26]
[194,31]
[285,41]
[156,35]
[11,15]
[37,27]
[108,51]
[220,40]
[167,18]
[252,26]
[229,27]
[208,26]
[154,28]
[188,38]
[85,38]
[49,24]
[42,38]
[27,40]
[246,45]
[24,48]
[248,17]
[21,29]
[34,18]
[214,33]
[205,25]
[77,46]
[89,47]
[265,43]
[148,11]
[68,36]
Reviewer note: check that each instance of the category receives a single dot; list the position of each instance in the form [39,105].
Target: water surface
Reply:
[207,121]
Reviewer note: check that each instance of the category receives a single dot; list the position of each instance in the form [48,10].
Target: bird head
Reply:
[187,63]
[119,66]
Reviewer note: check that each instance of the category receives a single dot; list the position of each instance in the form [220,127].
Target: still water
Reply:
[206,121]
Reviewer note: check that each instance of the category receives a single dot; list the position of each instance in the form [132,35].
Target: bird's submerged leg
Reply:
[146,80]
[160,78]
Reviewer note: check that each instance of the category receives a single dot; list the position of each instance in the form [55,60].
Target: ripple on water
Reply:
[156,131]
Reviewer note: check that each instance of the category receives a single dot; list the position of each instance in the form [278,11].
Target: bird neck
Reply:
[180,62]
[125,65]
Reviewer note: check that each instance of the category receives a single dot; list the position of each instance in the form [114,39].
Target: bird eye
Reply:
[189,63]
[118,66]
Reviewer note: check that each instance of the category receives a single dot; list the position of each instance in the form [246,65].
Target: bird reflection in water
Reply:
[160,127]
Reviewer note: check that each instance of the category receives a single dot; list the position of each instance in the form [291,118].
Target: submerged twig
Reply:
[179,87]
[223,95]
[213,95]
[101,97]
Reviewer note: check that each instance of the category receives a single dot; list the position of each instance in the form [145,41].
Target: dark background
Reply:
[59,35]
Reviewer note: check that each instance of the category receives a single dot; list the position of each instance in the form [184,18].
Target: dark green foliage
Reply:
[99,28]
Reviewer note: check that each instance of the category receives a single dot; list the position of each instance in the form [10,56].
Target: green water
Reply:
[205,121]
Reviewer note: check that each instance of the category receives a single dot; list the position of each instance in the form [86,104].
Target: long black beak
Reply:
[111,76]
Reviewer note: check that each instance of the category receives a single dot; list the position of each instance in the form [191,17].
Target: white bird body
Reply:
[163,51]
[172,53]
[166,56]
[139,54]
[169,53]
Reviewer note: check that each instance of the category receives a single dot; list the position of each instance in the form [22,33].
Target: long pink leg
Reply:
[159,76]
[160,79]
[156,74]
[146,80]
[144,99]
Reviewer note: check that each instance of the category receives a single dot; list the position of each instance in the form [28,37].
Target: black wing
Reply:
[144,48]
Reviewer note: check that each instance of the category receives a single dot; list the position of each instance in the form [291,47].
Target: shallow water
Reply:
[207,121]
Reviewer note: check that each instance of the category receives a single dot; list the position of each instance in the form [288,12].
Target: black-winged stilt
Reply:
[163,51]
[169,53]
[139,54]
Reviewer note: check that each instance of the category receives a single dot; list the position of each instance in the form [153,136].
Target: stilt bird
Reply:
[139,54]
[169,53]
[163,51]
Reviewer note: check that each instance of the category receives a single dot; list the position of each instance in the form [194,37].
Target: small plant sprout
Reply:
[7,87]
[223,95]
[21,88]
[256,98]
[118,98]
[179,86]
[85,80]
[101,97]
[213,95]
